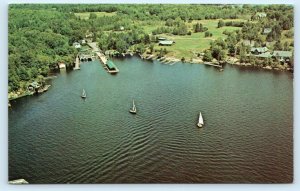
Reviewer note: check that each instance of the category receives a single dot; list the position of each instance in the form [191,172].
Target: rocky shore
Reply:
[229,60]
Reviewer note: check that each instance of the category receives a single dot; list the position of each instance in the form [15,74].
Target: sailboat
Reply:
[133,109]
[200,122]
[83,95]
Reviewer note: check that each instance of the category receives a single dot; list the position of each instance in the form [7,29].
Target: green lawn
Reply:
[186,45]
[86,15]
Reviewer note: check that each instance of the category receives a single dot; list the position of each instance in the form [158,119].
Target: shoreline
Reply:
[229,60]
[168,60]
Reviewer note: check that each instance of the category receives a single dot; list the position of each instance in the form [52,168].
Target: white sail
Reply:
[133,109]
[83,95]
[200,122]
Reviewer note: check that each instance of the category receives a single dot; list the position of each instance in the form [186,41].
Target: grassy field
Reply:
[186,46]
[86,15]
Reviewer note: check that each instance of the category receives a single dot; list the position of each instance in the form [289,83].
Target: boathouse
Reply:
[110,65]
[33,86]
[62,65]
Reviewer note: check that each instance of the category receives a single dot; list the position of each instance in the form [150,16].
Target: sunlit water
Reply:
[57,137]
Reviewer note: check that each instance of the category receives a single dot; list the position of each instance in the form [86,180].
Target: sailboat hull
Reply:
[132,111]
[83,95]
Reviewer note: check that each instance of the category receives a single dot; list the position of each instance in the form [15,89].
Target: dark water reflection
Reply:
[248,135]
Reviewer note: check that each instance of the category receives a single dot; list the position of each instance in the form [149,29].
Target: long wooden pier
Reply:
[108,66]
[77,63]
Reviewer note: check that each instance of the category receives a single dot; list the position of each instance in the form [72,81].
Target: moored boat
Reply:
[83,95]
[133,109]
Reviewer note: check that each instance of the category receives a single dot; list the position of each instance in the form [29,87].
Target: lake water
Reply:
[57,137]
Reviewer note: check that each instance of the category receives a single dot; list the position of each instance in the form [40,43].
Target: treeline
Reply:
[38,41]
[121,42]
[278,19]
[221,23]
[41,36]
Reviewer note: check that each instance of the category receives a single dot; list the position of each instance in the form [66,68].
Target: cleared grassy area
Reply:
[186,46]
[86,15]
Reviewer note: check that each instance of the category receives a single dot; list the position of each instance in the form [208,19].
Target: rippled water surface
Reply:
[57,137]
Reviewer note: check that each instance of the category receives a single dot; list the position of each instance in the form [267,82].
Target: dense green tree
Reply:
[278,45]
[221,23]
[92,16]
[207,56]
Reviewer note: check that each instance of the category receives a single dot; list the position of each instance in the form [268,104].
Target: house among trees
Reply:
[165,43]
[261,15]
[90,35]
[267,30]
[76,45]
[248,43]
[33,86]
[259,50]
[282,55]
[83,41]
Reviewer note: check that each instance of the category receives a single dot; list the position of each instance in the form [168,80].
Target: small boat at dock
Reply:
[133,109]
[200,121]
[83,95]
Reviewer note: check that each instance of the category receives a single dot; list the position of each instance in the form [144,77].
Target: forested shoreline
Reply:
[42,35]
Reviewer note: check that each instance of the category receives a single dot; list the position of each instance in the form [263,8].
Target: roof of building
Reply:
[264,55]
[259,49]
[261,14]
[285,54]
[34,84]
[267,30]
[166,42]
[110,65]
[162,38]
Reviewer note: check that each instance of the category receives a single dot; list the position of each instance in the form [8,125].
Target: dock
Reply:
[108,65]
[77,64]
[44,89]
[215,65]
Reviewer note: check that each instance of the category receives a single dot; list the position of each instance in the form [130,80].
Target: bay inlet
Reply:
[57,137]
